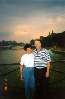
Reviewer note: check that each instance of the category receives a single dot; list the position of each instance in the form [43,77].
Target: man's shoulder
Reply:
[44,50]
[34,51]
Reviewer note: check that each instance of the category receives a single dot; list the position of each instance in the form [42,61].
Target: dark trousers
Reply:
[41,82]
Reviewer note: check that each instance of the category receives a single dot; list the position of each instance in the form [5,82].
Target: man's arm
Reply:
[48,69]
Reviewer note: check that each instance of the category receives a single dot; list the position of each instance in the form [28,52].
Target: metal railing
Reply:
[55,81]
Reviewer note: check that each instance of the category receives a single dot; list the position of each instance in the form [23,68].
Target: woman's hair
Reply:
[27,45]
[40,42]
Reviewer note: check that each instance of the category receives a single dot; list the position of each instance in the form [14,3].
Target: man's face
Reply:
[38,44]
[29,50]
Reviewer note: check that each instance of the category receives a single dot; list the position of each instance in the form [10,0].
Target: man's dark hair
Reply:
[27,45]
[40,42]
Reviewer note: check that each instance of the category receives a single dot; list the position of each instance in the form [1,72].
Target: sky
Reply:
[23,20]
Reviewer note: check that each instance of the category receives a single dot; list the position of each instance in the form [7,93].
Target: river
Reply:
[13,56]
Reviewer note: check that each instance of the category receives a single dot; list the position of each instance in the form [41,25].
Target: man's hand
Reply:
[47,74]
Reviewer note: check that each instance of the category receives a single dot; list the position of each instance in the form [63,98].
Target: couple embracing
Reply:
[35,69]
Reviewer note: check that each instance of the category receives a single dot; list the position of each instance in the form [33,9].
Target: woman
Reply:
[27,71]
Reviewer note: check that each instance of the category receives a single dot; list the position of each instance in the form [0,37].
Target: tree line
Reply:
[53,39]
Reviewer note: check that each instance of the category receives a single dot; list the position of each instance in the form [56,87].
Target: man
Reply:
[27,71]
[42,68]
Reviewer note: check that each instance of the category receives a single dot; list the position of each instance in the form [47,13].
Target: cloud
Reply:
[5,33]
[27,19]
[25,8]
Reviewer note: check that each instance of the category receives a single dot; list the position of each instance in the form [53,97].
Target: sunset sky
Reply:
[23,20]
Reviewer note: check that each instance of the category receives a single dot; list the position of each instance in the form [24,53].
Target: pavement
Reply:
[18,93]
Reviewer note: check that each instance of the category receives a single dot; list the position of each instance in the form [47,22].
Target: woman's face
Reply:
[38,45]
[29,50]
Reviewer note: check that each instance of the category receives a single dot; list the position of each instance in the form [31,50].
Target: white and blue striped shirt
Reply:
[41,58]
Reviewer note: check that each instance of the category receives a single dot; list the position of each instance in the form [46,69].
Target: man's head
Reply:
[28,48]
[38,44]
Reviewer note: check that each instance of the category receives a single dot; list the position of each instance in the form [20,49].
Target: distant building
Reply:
[41,37]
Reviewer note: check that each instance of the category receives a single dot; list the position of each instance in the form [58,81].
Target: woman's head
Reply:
[28,48]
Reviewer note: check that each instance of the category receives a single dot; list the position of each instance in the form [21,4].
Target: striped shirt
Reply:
[41,58]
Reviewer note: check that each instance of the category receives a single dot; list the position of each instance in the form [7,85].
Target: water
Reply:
[10,57]
[13,56]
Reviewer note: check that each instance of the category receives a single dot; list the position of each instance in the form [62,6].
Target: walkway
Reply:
[18,93]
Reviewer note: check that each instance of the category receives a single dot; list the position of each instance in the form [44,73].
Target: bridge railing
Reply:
[57,77]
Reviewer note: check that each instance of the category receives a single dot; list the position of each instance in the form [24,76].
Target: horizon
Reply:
[23,20]
[32,39]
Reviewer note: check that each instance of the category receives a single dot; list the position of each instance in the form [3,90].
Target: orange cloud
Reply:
[37,26]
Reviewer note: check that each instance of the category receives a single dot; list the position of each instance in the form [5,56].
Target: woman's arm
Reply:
[20,70]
